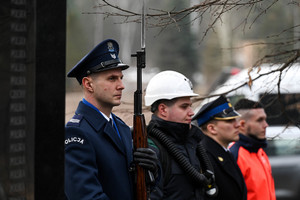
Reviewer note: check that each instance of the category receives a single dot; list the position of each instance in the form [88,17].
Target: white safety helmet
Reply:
[168,85]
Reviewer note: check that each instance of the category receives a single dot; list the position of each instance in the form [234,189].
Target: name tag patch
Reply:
[74,139]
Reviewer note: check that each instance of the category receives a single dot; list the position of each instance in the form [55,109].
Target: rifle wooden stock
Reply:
[139,124]
[140,141]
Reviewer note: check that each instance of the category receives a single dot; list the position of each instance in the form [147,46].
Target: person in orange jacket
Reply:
[249,153]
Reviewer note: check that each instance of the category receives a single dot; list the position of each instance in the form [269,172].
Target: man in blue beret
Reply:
[217,120]
[98,144]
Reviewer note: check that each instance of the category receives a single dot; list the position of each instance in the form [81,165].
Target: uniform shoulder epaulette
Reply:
[75,121]
[119,119]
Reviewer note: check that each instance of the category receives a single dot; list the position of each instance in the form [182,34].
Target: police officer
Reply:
[98,144]
[169,95]
[217,120]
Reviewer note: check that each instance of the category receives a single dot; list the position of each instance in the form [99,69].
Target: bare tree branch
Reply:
[216,8]
[281,69]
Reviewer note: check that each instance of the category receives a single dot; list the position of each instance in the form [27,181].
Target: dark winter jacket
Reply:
[178,186]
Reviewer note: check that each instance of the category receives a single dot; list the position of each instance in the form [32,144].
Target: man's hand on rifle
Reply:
[147,159]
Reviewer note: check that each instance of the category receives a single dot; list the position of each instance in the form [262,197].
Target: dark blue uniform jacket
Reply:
[97,161]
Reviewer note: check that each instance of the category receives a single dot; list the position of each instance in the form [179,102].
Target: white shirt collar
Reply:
[107,118]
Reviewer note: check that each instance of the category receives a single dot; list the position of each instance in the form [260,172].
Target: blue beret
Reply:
[219,109]
[103,57]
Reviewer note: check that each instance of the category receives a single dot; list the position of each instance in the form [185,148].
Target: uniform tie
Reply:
[111,122]
[114,127]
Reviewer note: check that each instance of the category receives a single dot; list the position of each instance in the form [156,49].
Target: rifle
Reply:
[139,125]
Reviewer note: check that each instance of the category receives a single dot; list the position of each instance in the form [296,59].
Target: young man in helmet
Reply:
[170,132]
[249,150]
[98,144]
[217,120]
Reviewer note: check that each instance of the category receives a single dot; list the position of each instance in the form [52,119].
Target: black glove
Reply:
[147,159]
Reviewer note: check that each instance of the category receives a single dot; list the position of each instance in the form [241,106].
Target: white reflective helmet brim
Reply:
[168,85]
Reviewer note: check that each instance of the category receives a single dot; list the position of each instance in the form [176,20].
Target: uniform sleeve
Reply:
[81,172]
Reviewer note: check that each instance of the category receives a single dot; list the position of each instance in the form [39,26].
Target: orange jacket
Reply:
[255,167]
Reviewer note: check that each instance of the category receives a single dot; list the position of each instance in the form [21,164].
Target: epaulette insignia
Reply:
[120,120]
[75,121]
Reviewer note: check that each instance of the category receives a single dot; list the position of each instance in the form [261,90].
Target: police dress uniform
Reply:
[228,176]
[97,160]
